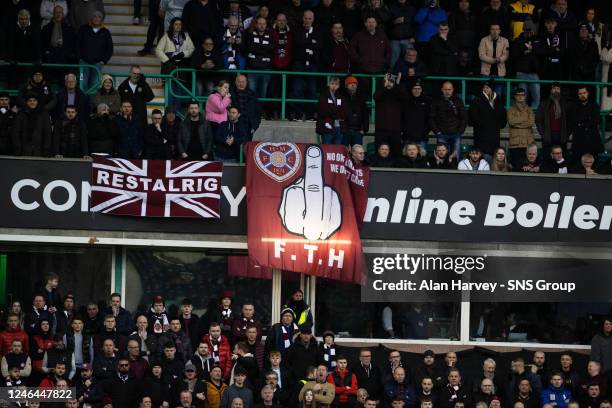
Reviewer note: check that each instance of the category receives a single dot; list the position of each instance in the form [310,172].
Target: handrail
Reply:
[80,67]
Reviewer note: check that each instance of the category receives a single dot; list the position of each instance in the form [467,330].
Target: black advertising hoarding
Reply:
[402,205]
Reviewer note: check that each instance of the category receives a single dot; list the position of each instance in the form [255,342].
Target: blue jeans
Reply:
[532,89]
[398,48]
[453,141]
[332,138]
[89,77]
[304,87]
[258,83]
[353,137]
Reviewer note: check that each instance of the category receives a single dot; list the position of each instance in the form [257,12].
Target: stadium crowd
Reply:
[155,358]
[406,41]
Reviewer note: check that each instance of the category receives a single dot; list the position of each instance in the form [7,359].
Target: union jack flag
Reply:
[156,188]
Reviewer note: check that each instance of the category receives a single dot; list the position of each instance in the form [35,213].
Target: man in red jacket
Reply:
[13,332]
[220,349]
[345,383]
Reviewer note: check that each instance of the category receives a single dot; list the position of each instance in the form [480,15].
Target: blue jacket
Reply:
[392,390]
[240,133]
[557,397]
[428,19]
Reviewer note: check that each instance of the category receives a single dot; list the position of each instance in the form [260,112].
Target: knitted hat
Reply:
[287,310]
[85,367]
[159,299]
[109,77]
[186,301]
[189,366]
[350,80]
[227,294]
[329,333]
[95,14]
[520,91]
[428,353]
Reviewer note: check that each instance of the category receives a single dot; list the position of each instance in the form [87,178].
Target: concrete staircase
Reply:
[128,39]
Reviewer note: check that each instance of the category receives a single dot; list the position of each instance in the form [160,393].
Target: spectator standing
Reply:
[331,115]
[520,11]
[369,375]
[584,55]
[157,142]
[154,31]
[493,52]
[601,345]
[524,55]
[229,137]
[248,105]
[345,382]
[282,38]
[370,50]
[58,39]
[69,135]
[130,138]
[448,119]
[473,162]
[566,19]
[441,160]
[495,12]
[336,55]
[217,104]
[553,51]
[327,14]
[32,130]
[206,59]
[281,335]
[303,353]
[412,158]
[402,33]
[82,10]
[463,24]
[7,121]
[306,58]
[389,101]
[102,131]
[416,116]
[428,17]
[379,10]
[357,114]
[69,94]
[201,19]
[47,10]
[137,91]
[95,47]
[23,44]
[170,9]
[444,52]
[195,136]
[606,69]
[551,119]
[350,17]
[108,95]
[520,122]
[259,51]
[488,116]
[410,66]
[189,320]
[233,57]
[584,126]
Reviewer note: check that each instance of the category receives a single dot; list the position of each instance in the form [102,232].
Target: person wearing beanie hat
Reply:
[328,349]
[488,116]
[349,80]
[301,310]
[107,94]
[282,334]
[357,119]
[416,115]
[584,56]
[304,353]
[428,369]
[38,87]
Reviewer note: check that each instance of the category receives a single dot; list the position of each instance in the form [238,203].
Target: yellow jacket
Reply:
[518,14]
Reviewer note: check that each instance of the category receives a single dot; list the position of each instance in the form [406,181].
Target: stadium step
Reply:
[123,28]
[130,39]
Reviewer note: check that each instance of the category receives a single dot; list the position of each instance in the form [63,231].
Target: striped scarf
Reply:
[329,356]
[287,337]
[215,349]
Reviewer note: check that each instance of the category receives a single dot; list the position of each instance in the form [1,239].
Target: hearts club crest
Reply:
[279,161]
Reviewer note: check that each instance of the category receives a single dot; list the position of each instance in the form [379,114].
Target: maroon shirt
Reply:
[555,124]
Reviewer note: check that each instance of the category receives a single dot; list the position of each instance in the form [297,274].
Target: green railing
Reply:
[76,68]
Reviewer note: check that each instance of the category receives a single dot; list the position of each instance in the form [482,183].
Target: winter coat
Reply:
[166,46]
[42,91]
[102,134]
[490,16]
[112,99]
[8,336]
[67,53]
[184,349]
[393,389]
[520,126]
[199,57]
[7,121]
[47,7]
[307,46]
[81,103]
[81,10]
[225,354]
[418,162]
[139,97]
[378,161]
[202,364]
[543,120]
[466,165]
[416,118]
[32,134]
[184,136]
[99,339]
[405,29]
[69,138]
[216,107]
[443,56]
[121,393]
[324,396]
[330,111]
[202,21]
[428,19]
[389,105]
[130,138]
[584,127]
[487,59]
[448,116]
[240,326]
[463,28]
[524,60]
[370,53]
[446,164]
[104,367]
[91,395]
[448,396]
[342,380]
[487,121]
[157,144]
[234,392]
[518,15]
[233,57]
[23,44]
[370,378]
[357,112]
[584,57]
[336,56]
[259,50]
[250,108]
[283,49]
[239,131]
[300,356]
[21,360]
[420,69]
[601,350]
[94,47]
[557,397]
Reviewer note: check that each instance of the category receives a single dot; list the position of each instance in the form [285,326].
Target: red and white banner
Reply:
[303,206]
[156,188]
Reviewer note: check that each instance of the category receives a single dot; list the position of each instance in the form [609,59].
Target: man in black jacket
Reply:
[416,116]
[488,116]
[389,101]
[70,135]
[584,56]
[448,119]
[441,160]
[248,104]
[303,353]
[121,388]
[201,19]
[23,44]
[158,144]
[368,375]
[70,94]
[524,54]
[584,127]
[454,391]
[38,87]
[102,131]
[259,51]
[552,119]
[32,130]
[382,158]
[357,119]
[95,47]
[306,55]
[7,120]
[195,136]
[444,52]
[136,90]
[62,49]
[412,158]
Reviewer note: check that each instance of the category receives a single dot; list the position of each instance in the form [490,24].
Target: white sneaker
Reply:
[136,21]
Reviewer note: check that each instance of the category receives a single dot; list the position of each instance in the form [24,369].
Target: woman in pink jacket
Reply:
[217,104]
